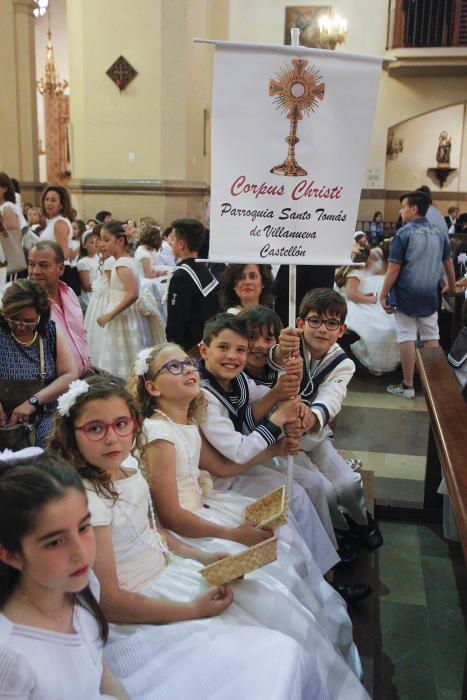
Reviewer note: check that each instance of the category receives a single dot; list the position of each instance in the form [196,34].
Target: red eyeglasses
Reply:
[98,429]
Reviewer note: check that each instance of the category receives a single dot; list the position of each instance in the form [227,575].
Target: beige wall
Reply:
[18,115]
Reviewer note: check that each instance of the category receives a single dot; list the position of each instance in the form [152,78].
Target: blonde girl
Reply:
[166,386]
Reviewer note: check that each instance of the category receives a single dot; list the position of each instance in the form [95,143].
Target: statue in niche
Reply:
[443,152]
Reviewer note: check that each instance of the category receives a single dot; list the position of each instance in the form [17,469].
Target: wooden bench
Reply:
[447,441]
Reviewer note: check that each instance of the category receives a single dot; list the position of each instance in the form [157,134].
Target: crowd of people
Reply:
[162,396]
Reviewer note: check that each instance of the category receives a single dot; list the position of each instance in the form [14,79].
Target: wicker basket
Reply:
[237,565]
[270,511]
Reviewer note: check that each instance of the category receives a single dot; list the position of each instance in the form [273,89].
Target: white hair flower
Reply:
[67,401]
[27,452]
[142,361]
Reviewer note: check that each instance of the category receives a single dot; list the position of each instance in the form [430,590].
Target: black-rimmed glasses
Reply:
[315,322]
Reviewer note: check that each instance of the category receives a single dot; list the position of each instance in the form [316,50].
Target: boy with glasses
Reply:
[327,371]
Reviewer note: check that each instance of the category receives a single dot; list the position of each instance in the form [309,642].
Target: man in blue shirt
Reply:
[410,287]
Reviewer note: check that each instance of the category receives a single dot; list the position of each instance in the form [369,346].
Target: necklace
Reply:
[189,457]
[26,343]
[51,616]
[139,536]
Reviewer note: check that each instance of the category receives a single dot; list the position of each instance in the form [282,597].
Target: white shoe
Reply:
[401,390]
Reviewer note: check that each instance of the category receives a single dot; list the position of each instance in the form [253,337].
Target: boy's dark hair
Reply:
[191,231]
[258,316]
[325,302]
[417,199]
[100,216]
[223,322]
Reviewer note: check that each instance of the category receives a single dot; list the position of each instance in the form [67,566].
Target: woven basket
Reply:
[270,511]
[237,565]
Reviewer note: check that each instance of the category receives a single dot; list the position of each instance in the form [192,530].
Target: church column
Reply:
[18,133]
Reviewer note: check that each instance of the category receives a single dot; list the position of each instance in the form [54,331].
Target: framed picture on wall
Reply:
[306,19]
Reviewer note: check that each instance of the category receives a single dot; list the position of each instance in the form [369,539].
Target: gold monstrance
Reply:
[296,91]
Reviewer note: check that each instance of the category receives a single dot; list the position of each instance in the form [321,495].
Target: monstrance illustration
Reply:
[296,91]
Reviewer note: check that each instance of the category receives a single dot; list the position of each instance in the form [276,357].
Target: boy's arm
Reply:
[389,280]
[220,432]
[289,344]
[328,401]
[179,299]
[450,274]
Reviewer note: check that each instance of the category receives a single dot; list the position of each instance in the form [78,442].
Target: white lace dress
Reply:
[127,333]
[229,656]
[377,348]
[97,306]
[311,604]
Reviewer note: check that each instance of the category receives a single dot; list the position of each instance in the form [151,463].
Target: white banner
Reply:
[290,135]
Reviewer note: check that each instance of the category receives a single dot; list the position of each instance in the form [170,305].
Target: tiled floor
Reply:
[413,639]
[421,621]
[389,434]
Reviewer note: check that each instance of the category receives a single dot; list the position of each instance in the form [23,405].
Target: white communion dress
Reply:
[128,333]
[259,601]
[377,348]
[319,606]
[97,306]
[38,664]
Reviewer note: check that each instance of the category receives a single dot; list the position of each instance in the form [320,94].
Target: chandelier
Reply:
[41,7]
[332,31]
[49,84]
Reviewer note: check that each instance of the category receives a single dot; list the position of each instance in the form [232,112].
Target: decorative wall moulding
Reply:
[157,187]
[121,73]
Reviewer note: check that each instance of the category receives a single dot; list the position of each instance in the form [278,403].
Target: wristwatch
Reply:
[34,401]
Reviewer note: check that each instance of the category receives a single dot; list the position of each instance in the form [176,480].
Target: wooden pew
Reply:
[447,444]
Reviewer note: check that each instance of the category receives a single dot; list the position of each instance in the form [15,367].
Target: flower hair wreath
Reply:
[67,400]
[142,362]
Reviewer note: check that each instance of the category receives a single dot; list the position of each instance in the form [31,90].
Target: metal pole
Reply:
[294,40]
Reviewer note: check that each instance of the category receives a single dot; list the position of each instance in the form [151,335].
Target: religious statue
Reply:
[296,91]
[443,152]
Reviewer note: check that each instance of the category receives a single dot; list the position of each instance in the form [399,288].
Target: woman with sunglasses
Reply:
[36,365]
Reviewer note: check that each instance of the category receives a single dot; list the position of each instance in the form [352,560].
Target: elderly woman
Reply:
[242,286]
[36,365]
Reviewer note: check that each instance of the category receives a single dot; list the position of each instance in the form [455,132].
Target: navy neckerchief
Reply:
[236,400]
[312,379]
[268,376]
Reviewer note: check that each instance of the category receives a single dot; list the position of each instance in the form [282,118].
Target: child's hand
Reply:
[213,602]
[293,429]
[103,320]
[308,419]
[287,387]
[294,366]
[286,412]
[289,341]
[287,446]
[248,535]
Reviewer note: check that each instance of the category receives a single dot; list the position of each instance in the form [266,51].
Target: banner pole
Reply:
[294,40]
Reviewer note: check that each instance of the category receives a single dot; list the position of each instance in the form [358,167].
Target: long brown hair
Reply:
[63,440]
